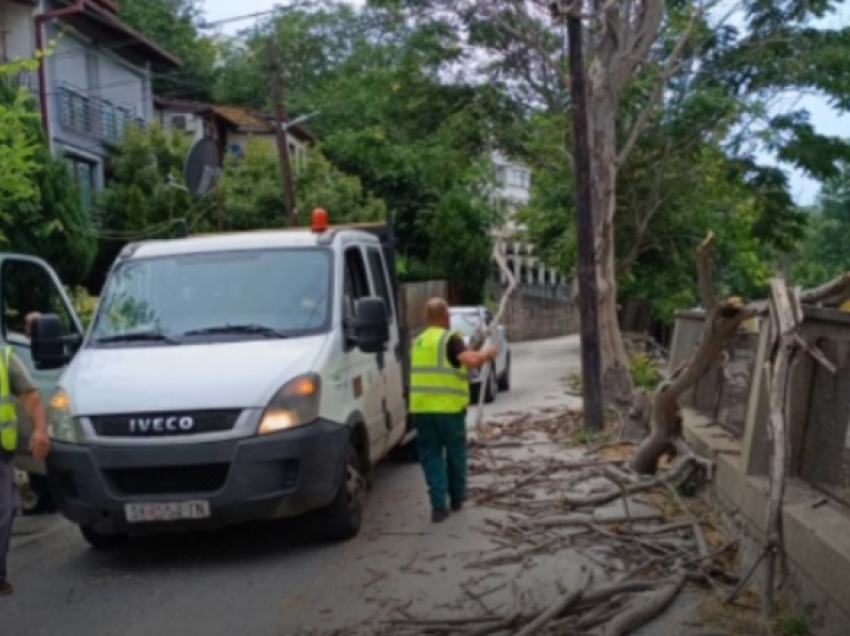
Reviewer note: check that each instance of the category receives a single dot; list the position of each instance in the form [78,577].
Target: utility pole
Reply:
[281,131]
[591,367]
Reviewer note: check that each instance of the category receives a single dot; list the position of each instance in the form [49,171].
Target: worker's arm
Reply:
[23,387]
[477,359]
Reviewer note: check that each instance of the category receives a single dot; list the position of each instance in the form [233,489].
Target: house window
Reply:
[84,173]
[107,121]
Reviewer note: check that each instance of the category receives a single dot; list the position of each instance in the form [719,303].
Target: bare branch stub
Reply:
[707,292]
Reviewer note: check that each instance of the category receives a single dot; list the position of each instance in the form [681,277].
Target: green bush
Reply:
[645,374]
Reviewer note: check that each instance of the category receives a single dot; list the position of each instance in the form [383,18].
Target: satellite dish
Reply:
[202,167]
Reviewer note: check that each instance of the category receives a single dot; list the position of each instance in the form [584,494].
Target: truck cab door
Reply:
[395,407]
[28,284]
[363,371]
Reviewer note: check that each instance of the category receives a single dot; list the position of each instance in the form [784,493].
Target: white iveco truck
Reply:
[227,378]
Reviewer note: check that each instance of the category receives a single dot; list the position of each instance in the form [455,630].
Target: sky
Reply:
[824,118]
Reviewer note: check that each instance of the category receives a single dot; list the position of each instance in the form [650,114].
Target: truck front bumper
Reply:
[280,475]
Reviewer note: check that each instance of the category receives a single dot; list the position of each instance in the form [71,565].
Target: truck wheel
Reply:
[102,541]
[342,519]
[505,380]
[492,386]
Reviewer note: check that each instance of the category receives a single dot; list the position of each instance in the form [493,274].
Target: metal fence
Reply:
[94,117]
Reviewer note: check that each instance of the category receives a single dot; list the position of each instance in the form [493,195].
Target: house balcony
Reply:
[93,117]
[27,81]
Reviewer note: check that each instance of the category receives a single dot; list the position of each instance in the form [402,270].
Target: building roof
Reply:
[103,13]
[243,119]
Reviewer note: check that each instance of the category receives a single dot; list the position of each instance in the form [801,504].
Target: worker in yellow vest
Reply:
[439,395]
[15,382]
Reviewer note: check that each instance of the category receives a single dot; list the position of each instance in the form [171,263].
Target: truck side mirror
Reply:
[371,325]
[48,344]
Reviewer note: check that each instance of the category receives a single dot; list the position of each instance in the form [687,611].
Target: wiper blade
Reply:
[262,330]
[139,336]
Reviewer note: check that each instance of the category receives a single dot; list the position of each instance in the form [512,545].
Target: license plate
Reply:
[166,511]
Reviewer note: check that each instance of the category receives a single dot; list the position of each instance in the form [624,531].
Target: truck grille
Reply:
[170,424]
[169,480]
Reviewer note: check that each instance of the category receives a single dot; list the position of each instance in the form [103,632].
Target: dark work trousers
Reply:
[441,438]
[8,506]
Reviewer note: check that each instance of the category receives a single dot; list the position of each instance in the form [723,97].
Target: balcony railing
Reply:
[94,117]
[26,80]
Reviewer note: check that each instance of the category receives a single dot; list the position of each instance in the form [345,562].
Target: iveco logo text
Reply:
[161,424]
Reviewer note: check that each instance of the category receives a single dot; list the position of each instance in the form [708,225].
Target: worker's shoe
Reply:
[439,515]
[6,588]
[457,504]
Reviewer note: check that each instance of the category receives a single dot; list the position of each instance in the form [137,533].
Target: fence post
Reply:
[755,455]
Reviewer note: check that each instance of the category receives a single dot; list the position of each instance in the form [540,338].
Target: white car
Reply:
[466,320]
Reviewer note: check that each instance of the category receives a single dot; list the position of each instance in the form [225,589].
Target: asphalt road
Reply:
[268,579]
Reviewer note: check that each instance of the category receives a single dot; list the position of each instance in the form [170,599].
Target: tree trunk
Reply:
[602,114]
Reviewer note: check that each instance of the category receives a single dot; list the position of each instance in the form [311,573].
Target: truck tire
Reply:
[101,541]
[342,519]
[505,380]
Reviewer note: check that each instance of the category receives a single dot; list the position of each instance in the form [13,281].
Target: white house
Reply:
[95,82]
[512,192]
[231,126]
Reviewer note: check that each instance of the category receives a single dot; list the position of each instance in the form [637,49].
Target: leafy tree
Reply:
[823,252]
[252,192]
[19,140]
[386,114]
[45,218]
[664,83]
[145,197]
[173,24]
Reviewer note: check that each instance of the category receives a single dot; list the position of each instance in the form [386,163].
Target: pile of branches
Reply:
[645,549]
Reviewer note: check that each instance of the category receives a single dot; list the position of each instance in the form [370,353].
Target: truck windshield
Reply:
[248,294]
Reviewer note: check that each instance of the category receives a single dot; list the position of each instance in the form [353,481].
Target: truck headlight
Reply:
[295,404]
[60,422]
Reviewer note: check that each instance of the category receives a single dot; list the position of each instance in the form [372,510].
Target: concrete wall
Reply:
[532,317]
[816,527]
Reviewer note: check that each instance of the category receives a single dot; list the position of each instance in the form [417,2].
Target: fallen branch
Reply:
[567,601]
[644,609]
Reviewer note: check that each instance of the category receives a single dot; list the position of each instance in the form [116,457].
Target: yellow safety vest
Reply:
[8,417]
[435,385]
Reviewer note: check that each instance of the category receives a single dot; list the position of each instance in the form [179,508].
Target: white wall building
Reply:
[513,192]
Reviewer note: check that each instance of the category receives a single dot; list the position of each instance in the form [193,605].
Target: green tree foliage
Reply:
[48,221]
[252,191]
[19,140]
[146,197]
[173,24]
[823,253]
[387,114]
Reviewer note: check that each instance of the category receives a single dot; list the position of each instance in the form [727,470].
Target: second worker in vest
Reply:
[439,395]
[15,382]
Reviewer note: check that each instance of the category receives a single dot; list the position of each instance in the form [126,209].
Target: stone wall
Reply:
[531,316]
